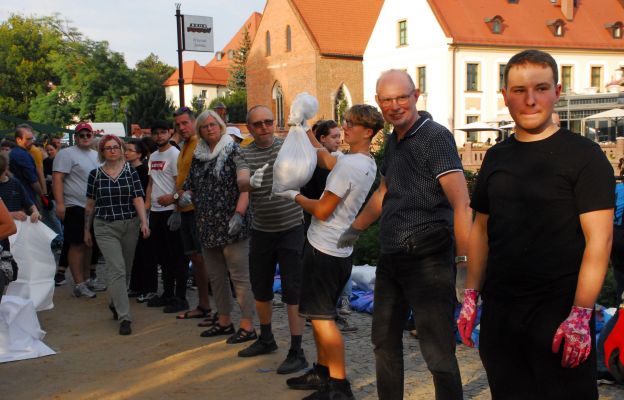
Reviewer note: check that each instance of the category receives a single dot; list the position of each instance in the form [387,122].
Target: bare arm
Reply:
[456,191]
[42,184]
[88,220]
[477,252]
[242,203]
[242,180]
[598,231]
[139,206]
[323,158]
[372,210]
[7,226]
[148,194]
[322,208]
[57,189]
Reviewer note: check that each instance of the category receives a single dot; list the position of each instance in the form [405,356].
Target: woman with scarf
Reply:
[222,224]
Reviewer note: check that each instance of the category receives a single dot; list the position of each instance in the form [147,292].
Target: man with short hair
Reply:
[539,247]
[70,172]
[276,238]
[22,165]
[424,206]
[185,126]
[165,221]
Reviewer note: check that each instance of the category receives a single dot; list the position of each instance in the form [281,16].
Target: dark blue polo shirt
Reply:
[22,166]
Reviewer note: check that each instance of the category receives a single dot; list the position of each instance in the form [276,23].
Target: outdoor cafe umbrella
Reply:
[478,127]
[616,114]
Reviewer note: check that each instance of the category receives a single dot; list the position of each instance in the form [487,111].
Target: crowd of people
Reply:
[536,252]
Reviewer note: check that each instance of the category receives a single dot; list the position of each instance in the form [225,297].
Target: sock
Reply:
[322,370]
[295,342]
[60,270]
[341,385]
[265,332]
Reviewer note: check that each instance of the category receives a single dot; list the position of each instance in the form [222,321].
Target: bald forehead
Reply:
[395,78]
[259,112]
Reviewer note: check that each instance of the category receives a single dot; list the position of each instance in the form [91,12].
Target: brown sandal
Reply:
[203,313]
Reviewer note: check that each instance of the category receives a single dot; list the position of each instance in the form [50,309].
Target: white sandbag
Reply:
[363,276]
[20,332]
[30,247]
[296,160]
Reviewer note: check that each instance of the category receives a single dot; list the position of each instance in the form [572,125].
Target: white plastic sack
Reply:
[363,276]
[20,332]
[296,160]
[30,247]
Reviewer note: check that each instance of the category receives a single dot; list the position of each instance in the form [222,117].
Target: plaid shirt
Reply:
[114,197]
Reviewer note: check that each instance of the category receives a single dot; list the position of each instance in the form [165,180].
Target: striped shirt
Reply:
[270,213]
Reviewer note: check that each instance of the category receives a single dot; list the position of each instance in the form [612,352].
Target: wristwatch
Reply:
[460,259]
[176,196]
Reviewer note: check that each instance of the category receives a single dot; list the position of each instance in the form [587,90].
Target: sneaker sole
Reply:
[292,371]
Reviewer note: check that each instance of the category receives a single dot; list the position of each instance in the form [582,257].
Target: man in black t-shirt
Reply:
[539,246]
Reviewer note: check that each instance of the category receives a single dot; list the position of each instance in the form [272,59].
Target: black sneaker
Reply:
[159,301]
[343,324]
[605,378]
[295,361]
[125,328]
[177,304]
[321,394]
[339,391]
[258,347]
[314,379]
[59,279]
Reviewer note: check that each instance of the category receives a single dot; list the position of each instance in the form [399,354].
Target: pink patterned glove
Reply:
[575,331]
[468,316]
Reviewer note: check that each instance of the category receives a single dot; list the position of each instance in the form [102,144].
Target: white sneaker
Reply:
[82,290]
[95,285]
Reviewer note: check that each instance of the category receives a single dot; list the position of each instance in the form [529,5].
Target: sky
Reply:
[137,27]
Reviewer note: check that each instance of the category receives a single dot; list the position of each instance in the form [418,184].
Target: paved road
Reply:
[166,359]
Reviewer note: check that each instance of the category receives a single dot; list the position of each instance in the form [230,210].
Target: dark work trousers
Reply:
[170,255]
[427,285]
[144,268]
[515,345]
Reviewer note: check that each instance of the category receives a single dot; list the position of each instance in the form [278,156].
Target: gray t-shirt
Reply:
[270,213]
[76,164]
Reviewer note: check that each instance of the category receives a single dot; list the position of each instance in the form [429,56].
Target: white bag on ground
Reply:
[364,276]
[20,332]
[296,160]
[30,247]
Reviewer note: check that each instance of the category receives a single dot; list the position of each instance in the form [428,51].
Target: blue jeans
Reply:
[427,285]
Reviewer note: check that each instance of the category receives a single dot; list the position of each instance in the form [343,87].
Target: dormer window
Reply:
[230,54]
[616,29]
[219,55]
[495,24]
[556,26]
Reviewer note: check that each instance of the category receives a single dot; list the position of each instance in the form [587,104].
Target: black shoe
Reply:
[605,378]
[343,324]
[125,328]
[59,279]
[177,304]
[339,390]
[258,347]
[295,361]
[315,379]
[321,394]
[114,311]
[159,301]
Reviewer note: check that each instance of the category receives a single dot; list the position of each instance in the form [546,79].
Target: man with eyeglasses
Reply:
[276,238]
[422,196]
[70,172]
[164,222]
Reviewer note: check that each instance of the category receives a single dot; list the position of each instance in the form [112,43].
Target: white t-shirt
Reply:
[76,163]
[350,179]
[163,169]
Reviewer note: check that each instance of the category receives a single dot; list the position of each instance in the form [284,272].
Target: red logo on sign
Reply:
[158,165]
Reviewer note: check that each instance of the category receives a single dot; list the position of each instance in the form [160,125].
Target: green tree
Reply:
[150,71]
[149,105]
[238,69]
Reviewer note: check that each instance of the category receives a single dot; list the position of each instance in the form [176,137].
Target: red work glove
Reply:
[575,331]
[468,316]
[45,201]
[615,341]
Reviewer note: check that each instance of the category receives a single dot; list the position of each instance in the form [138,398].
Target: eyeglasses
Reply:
[258,124]
[349,123]
[112,148]
[401,100]
[209,125]
[131,150]
[85,135]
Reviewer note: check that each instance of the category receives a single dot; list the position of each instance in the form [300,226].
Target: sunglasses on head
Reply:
[266,122]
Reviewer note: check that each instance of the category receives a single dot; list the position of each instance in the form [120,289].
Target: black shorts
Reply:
[73,225]
[323,279]
[267,249]
[188,233]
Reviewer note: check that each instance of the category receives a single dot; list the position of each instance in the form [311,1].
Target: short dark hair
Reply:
[184,110]
[140,146]
[160,124]
[323,128]
[532,57]
[367,116]
[19,130]
[149,144]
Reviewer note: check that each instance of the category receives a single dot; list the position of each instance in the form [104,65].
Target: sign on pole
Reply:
[197,33]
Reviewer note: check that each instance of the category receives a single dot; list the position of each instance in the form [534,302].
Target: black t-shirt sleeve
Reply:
[480,201]
[595,187]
